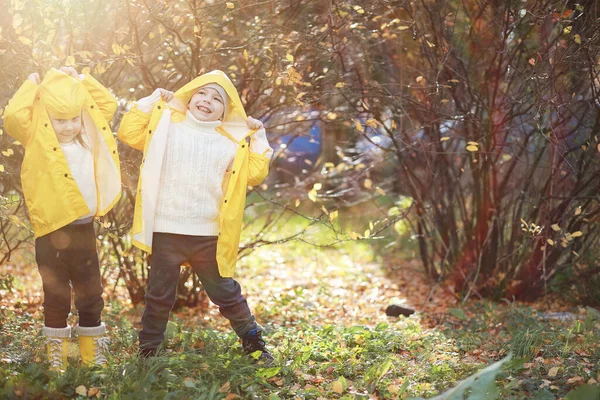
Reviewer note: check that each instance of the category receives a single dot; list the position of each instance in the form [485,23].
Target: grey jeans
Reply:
[169,252]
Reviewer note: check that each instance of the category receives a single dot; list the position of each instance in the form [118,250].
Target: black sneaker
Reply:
[252,342]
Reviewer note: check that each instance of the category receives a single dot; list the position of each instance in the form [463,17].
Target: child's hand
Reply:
[253,123]
[165,95]
[34,77]
[69,71]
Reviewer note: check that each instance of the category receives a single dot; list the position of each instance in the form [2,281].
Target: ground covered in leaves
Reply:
[323,311]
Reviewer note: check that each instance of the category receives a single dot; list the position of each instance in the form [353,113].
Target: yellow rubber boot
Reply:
[57,341]
[93,344]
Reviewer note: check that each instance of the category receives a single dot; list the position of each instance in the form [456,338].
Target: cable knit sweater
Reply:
[194,165]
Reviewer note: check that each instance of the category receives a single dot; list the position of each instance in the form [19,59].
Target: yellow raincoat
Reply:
[52,196]
[148,132]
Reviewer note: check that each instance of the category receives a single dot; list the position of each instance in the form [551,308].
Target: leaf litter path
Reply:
[346,286]
[284,284]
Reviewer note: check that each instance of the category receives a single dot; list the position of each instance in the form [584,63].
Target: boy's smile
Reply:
[207,105]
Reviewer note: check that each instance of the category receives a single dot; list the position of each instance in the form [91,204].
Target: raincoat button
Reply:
[150,132]
[103,128]
[225,201]
[114,152]
[66,175]
[92,106]
[46,125]
[233,172]
[158,107]
[54,149]
[243,146]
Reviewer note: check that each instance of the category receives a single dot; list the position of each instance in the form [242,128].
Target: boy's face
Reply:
[206,105]
[66,129]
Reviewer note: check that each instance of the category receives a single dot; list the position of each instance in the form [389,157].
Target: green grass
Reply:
[322,310]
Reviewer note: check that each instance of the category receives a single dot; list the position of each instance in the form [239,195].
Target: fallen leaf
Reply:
[81,390]
[225,388]
[553,372]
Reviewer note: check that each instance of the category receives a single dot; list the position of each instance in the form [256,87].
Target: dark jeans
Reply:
[169,252]
[67,258]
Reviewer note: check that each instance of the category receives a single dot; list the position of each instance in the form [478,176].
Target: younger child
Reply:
[70,174]
[200,155]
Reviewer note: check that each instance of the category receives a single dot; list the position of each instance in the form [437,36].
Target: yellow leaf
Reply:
[577,234]
[86,70]
[419,79]
[317,186]
[555,227]
[577,39]
[1,168]
[403,27]
[445,138]
[473,143]
[100,68]
[81,390]
[359,9]
[380,191]
[246,54]
[367,233]
[360,128]
[506,157]
[340,84]
[454,80]
[568,30]
[312,195]
[472,148]
[337,387]
[297,203]
[550,242]
[93,392]
[331,115]
[230,5]
[578,211]
[25,41]
[333,215]
[368,183]
[373,123]
[553,372]
[324,210]
[354,235]
[161,29]
[430,44]
[524,222]
[70,62]
[289,57]
[17,20]
[117,49]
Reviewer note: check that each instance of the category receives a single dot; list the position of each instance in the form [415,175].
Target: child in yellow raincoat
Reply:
[200,154]
[70,174]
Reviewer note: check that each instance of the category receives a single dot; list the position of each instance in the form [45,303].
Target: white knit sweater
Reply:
[81,164]
[190,191]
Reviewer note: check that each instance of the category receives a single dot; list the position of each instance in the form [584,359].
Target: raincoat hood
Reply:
[62,95]
[234,117]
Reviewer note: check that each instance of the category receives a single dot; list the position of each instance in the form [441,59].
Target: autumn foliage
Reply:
[472,125]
